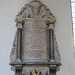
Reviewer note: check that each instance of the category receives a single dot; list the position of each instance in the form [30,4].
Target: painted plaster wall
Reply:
[63,30]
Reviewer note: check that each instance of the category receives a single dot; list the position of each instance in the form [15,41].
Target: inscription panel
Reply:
[35,45]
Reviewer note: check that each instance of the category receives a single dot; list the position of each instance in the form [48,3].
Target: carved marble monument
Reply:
[35,50]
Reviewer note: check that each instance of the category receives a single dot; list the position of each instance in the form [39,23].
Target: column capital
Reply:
[51,26]
[19,25]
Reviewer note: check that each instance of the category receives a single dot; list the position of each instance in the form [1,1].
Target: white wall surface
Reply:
[63,30]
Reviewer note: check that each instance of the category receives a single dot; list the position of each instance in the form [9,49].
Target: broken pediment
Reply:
[36,10]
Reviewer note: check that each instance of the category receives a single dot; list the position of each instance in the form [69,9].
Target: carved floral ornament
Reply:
[35,10]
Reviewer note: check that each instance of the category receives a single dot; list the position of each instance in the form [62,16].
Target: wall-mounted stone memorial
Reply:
[35,50]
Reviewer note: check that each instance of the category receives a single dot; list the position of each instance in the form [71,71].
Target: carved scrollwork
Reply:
[57,54]
[13,50]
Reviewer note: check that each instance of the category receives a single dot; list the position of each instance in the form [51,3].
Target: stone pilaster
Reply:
[19,42]
[51,43]
[52,68]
